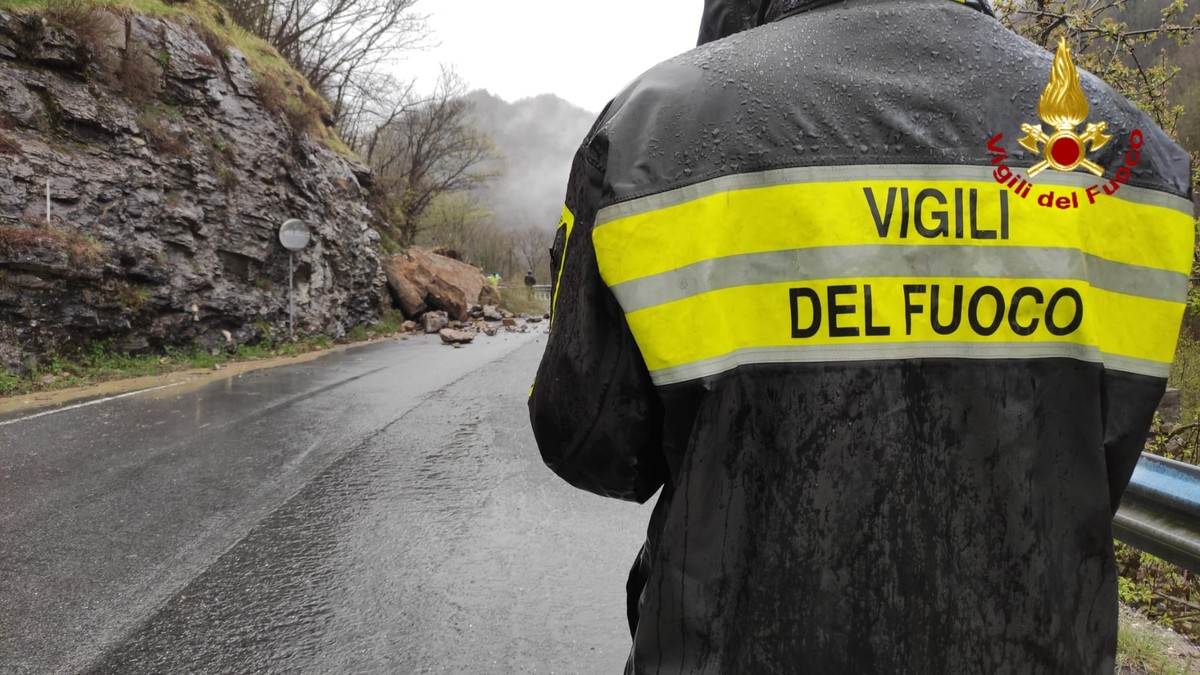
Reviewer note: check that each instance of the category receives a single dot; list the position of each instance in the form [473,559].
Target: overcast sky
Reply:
[583,51]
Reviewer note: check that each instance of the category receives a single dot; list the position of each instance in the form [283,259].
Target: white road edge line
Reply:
[96,402]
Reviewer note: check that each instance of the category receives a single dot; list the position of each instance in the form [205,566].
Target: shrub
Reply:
[217,44]
[227,177]
[77,17]
[1162,591]
[16,240]
[74,15]
[9,146]
[302,108]
[139,77]
[270,92]
[81,250]
[154,128]
[132,297]
[224,150]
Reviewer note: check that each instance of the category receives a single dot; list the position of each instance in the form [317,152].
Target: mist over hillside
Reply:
[538,137]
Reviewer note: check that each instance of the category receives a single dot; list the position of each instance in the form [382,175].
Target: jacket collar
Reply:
[778,9]
[723,18]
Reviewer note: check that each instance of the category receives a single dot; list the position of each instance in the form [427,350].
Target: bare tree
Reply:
[492,249]
[336,44]
[374,101]
[1108,46]
[427,149]
[1130,58]
[533,245]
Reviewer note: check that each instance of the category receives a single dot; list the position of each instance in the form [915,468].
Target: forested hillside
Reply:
[537,138]
[505,224]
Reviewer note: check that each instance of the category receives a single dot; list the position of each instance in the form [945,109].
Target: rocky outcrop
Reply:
[168,179]
[421,281]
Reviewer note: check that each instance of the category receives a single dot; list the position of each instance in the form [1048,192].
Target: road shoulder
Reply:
[36,401]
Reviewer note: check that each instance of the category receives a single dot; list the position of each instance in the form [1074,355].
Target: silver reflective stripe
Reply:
[842,262]
[842,174]
[905,351]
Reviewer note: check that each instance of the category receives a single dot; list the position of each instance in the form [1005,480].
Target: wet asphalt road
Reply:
[379,510]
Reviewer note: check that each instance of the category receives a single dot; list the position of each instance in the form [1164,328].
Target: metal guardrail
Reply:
[1160,511]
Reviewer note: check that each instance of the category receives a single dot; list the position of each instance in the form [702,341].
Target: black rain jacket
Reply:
[890,383]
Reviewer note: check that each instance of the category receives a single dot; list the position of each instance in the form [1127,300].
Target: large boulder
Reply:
[451,336]
[405,294]
[432,322]
[422,280]
[490,295]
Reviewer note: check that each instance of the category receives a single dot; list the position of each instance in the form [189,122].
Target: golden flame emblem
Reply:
[1063,106]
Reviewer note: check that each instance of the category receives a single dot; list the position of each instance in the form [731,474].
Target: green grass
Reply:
[100,363]
[522,300]
[1144,651]
[388,324]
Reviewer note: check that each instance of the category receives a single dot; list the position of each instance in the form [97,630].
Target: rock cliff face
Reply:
[168,180]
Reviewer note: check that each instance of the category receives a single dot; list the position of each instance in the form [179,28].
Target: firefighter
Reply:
[880,299]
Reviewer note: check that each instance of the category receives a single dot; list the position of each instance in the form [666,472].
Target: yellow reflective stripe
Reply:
[1137,327]
[567,220]
[717,274]
[818,214]
[718,323]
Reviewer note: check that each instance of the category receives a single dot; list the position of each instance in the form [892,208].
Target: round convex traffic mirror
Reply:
[294,235]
